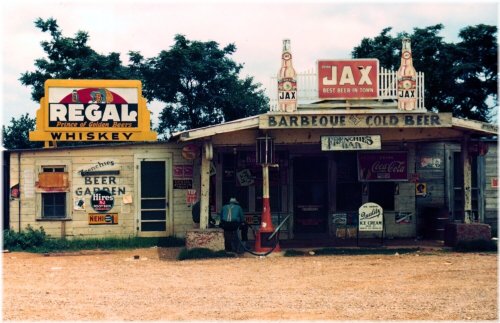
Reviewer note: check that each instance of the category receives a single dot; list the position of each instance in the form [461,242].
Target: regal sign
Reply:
[348,79]
[92,110]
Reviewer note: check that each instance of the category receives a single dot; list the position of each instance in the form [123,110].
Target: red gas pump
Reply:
[265,240]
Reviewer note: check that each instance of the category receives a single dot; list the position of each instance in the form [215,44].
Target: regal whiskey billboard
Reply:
[93,110]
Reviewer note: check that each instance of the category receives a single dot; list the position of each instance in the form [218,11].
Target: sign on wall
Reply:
[96,218]
[371,217]
[494,182]
[421,189]
[183,171]
[383,166]
[93,110]
[337,120]
[348,79]
[102,201]
[403,217]
[339,143]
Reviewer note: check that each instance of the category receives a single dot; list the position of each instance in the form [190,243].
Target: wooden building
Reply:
[323,188]
[364,137]
[53,188]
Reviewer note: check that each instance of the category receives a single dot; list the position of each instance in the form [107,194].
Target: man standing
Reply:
[231,218]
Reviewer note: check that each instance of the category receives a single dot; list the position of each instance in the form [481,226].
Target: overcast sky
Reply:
[317,30]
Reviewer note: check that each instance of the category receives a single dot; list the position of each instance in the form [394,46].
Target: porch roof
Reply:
[472,127]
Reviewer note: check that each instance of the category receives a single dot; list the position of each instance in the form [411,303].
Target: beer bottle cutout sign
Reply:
[287,81]
[407,79]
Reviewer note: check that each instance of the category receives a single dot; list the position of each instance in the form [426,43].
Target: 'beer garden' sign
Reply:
[93,110]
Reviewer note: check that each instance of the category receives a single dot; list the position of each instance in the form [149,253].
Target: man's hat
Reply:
[233,200]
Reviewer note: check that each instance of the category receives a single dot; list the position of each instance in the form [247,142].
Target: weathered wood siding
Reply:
[491,193]
[114,157]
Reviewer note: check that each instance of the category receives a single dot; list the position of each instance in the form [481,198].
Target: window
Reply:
[242,179]
[234,183]
[53,205]
[382,193]
[53,183]
[53,169]
[348,188]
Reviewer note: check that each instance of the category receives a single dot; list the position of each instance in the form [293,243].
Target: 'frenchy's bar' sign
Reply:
[93,110]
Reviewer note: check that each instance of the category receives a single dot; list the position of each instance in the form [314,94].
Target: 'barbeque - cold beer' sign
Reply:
[93,110]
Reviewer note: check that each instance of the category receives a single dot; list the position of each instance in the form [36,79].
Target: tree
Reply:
[16,135]
[70,58]
[199,84]
[476,71]
[459,78]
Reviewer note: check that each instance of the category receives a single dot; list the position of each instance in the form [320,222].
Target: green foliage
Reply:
[197,82]
[37,241]
[16,135]
[203,253]
[29,239]
[460,78]
[70,58]
[200,86]
[476,245]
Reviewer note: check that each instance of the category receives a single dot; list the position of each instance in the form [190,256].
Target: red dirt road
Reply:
[115,286]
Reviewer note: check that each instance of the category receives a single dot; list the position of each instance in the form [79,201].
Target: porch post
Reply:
[206,157]
[467,193]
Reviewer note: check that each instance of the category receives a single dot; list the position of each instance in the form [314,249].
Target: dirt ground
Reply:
[113,285]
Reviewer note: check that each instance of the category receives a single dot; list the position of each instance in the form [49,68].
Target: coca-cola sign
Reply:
[383,166]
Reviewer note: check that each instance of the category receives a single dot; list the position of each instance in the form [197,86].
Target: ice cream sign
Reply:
[93,110]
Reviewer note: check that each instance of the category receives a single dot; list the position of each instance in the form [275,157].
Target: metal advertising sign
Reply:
[383,166]
[102,201]
[96,218]
[190,152]
[340,143]
[93,110]
[371,217]
[348,79]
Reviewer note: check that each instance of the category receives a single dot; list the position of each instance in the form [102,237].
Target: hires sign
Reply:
[93,110]
[348,79]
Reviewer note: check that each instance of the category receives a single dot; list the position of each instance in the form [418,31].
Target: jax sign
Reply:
[93,110]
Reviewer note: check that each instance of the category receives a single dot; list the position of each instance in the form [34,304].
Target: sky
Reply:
[317,30]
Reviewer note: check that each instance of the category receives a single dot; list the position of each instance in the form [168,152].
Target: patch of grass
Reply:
[203,253]
[351,251]
[476,245]
[35,240]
